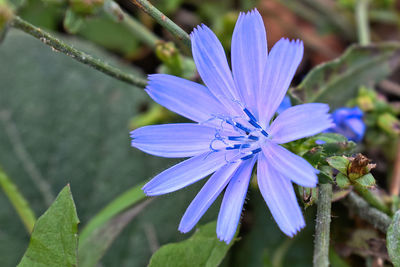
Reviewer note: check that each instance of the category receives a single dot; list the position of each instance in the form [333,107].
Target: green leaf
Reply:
[92,248]
[54,239]
[314,155]
[367,180]
[325,175]
[202,249]
[74,123]
[393,239]
[124,201]
[339,163]
[337,81]
[18,201]
[340,148]
[342,181]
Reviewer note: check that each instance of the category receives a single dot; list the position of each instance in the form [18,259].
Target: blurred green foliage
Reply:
[74,124]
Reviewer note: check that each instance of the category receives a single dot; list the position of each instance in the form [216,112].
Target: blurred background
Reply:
[62,122]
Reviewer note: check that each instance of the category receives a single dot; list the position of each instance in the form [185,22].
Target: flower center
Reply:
[240,136]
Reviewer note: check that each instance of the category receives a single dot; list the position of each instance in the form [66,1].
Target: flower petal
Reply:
[207,196]
[300,121]
[173,140]
[189,99]
[249,56]
[185,173]
[290,165]
[357,127]
[211,63]
[280,197]
[282,63]
[232,203]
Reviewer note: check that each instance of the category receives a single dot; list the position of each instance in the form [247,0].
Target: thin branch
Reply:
[375,217]
[372,199]
[164,21]
[80,56]
[322,226]
[362,22]
[141,32]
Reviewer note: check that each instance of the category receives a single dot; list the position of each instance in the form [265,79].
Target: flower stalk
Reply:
[76,54]
[322,226]
[370,214]
[141,32]
[164,21]
[362,22]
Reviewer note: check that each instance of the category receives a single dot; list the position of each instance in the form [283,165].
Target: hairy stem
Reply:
[362,22]
[76,54]
[164,21]
[375,217]
[322,226]
[372,199]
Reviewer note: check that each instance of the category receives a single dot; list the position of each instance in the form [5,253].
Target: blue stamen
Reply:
[236,138]
[248,113]
[255,124]
[241,127]
[237,146]
[252,153]
[243,138]
[264,133]
[253,137]
[255,151]
[247,157]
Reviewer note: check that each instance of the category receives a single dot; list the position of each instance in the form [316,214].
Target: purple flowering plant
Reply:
[232,129]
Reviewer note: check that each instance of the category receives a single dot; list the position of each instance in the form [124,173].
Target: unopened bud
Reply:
[6,14]
[389,123]
[169,55]
[359,166]
[86,7]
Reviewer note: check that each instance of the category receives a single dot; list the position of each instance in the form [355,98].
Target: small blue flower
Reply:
[349,122]
[233,128]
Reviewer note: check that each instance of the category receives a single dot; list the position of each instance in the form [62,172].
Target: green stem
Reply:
[141,32]
[362,22]
[372,199]
[375,217]
[164,21]
[80,56]
[322,226]
[18,201]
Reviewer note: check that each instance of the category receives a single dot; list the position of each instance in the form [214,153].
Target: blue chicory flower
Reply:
[233,130]
[349,122]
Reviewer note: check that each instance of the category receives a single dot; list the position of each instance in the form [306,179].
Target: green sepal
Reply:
[367,180]
[325,175]
[342,181]
[339,163]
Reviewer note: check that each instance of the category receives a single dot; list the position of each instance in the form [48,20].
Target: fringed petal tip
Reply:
[224,239]
[200,27]
[251,12]
[295,231]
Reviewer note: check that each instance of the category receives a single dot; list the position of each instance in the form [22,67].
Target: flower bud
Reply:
[359,166]
[349,122]
[86,7]
[389,123]
[169,55]
[6,14]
